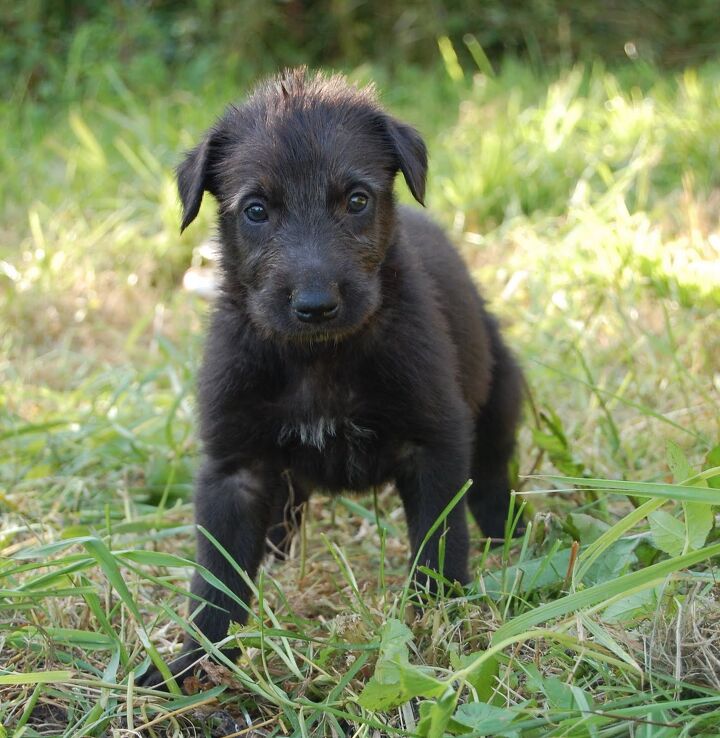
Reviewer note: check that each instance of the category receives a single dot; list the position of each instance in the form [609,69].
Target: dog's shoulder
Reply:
[418,226]
[426,238]
[235,361]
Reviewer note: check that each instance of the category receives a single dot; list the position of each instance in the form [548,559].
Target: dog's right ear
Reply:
[193,179]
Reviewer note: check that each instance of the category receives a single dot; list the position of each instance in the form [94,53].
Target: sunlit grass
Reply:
[587,206]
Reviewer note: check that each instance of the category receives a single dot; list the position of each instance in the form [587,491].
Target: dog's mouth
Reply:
[320,336]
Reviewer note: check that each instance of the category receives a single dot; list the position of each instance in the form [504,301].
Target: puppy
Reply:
[348,346]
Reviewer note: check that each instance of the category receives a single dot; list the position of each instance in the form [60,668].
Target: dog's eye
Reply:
[256,213]
[357,202]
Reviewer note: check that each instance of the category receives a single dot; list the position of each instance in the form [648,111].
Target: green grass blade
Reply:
[37,677]
[663,491]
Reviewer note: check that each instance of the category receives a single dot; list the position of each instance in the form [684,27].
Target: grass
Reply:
[586,202]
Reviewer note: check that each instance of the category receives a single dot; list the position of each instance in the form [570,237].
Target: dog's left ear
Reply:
[194,178]
[412,156]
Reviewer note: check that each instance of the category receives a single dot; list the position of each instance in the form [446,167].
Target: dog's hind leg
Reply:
[495,430]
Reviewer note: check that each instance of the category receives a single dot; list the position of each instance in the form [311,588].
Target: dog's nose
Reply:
[315,305]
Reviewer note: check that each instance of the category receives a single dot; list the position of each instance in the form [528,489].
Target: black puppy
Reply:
[348,346]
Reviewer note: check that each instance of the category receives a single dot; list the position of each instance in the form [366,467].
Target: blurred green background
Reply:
[52,48]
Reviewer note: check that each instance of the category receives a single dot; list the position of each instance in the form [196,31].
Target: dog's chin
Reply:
[317,336]
[322,335]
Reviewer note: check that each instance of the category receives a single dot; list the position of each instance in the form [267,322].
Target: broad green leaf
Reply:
[678,463]
[616,561]
[536,574]
[482,679]
[699,517]
[534,677]
[394,637]
[699,520]
[396,680]
[712,460]
[633,605]
[668,533]
[407,682]
[552,570]
[435,716]
[482,719]
[585,528]
[377,695]
[417,682]
[559,694]
[595,550]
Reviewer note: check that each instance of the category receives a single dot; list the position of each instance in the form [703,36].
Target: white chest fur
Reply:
[313,433]
[318,432]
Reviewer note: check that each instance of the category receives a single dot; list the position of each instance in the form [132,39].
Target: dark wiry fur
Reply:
[410,381]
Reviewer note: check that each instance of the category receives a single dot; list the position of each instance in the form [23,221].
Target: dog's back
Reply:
[458,299]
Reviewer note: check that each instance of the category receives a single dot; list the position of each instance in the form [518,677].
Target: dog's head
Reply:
[303,174]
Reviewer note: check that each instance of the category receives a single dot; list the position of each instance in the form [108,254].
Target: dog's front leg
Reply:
[234,508]
[427,485]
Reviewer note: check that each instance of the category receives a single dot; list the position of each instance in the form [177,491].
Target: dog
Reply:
[348,346]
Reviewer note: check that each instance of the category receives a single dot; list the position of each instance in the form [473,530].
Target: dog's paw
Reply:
[183,670]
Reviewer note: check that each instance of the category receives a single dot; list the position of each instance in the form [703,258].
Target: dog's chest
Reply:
[323,428]
[317,408]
